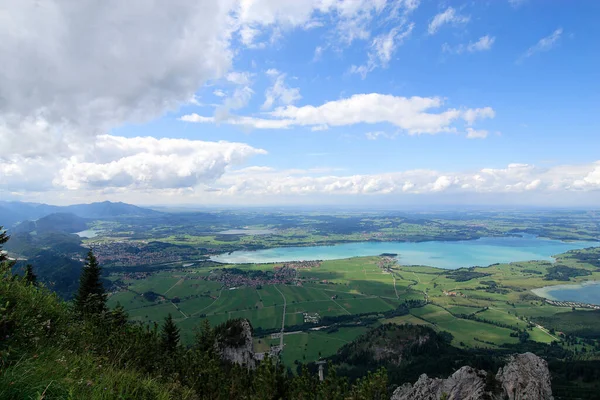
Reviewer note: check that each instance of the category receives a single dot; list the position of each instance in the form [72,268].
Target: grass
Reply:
[503,317]
[156,313]
[128,300]
[312,345]
[405,319]
[195,305]
[294,319]
[360,306]
[585,323]
[360,286]
[266,318]
[323,307]
[468,332]
[158,283]
[59,374]
[191,287]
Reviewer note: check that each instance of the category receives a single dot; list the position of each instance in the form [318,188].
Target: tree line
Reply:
[84,349]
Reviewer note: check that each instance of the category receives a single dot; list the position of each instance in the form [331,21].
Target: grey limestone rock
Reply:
[525,376]
[238,349]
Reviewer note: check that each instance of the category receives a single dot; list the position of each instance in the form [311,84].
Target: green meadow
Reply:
[480,307]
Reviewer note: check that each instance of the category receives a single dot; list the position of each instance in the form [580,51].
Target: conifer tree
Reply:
[30,277]
[118,315]
[169,336]
[205,337]
[3,239]
[90,298]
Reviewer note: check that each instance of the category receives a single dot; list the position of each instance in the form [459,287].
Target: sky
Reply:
[312,102]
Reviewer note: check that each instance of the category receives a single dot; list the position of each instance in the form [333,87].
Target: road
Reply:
[282,319]
[217,299]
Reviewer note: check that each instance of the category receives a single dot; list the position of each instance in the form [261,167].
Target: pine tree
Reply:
[205,337]
[3,239]
[169,336]
[30,277]
[91,297]
[118,316]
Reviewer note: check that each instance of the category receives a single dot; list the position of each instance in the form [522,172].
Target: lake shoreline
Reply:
[481,252]
[567,291]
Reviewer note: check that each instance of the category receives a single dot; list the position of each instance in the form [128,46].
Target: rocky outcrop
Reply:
[525,376]
[465,384]
[234,342]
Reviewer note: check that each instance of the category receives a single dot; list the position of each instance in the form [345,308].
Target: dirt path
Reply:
[283,318]
[210,305]
[341,306]
[177,308]
[179,282]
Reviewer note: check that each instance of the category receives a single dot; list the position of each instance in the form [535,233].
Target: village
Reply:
[130,254]
[233,277]
[572,304]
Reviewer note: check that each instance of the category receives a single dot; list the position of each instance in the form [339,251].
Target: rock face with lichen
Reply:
[525,376]
[233,342]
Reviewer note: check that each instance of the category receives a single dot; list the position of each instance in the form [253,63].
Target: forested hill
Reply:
[13,212]
[56,222]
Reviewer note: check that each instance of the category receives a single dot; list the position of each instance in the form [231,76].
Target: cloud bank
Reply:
[415,115]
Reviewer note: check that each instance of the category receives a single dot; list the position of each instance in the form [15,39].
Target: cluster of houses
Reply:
[453,294]
[301,264]
[572,304]
[134,253]
[386,263]
[282,275]
[311,318]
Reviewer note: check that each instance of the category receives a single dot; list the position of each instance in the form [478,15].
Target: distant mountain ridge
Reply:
[55,222]
[13,212]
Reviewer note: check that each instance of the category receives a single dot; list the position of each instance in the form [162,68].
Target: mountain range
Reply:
[13,212]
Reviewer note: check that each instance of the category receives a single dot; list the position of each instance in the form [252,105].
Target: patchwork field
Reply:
[480,307]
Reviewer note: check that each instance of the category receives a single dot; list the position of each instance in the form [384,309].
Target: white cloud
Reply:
[483,44]
[379,134]
[414,114]
[449,16]
[473,114]
[318,53]
[239,99]
[241,96]
[352,18]
[102,72]
[146,162]
[279,92]
[242,78]
[544,44]
[139,163]
[476,134]
[382,48]
[514,179]
[248,36]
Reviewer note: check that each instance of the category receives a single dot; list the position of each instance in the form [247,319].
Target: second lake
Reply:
[441,254]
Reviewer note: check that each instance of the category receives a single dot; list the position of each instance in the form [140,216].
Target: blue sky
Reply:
[317,102]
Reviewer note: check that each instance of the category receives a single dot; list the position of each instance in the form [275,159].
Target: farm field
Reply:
[481,307]
[312,345]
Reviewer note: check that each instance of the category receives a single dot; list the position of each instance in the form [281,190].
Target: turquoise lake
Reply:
[588,292]
[87,234]
[442,254]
